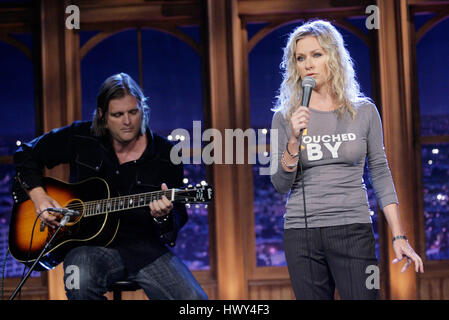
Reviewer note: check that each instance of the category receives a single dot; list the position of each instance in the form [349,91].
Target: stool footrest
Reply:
[118,287]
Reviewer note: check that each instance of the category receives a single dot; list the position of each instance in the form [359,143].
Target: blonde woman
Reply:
[319,159]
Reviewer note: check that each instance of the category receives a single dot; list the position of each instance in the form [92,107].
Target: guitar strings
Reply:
[116,200]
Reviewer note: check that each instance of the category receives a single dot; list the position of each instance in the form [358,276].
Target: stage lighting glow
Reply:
[442,197]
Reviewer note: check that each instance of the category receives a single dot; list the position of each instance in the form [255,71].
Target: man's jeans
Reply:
[90,271]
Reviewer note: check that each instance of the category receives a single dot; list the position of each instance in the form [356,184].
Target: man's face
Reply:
[123,119]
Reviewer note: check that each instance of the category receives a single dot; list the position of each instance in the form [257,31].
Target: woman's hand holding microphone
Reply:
[298,122]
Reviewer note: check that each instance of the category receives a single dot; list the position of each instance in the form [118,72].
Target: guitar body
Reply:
[80,230]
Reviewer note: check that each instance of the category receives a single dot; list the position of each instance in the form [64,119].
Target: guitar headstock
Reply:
[194,194]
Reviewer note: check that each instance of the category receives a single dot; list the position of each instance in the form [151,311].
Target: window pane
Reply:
[269,209]
[432,62]
[265,79]
[115,54]
[192,245]
[172,81]
[269,205]
[16,124]
[372,207]
[17,92]
[435,166]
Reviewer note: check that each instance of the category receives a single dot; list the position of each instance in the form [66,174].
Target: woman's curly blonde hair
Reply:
[341,75]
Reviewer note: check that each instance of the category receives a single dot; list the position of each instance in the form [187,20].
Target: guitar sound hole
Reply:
[75,205]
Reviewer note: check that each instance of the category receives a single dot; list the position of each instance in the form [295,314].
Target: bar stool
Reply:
[118,287]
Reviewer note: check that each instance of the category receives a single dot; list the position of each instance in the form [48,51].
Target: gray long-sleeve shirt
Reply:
[333,156]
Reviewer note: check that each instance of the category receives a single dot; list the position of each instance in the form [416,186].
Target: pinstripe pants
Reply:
[339,257]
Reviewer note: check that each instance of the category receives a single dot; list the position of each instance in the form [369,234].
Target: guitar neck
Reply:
[115,204]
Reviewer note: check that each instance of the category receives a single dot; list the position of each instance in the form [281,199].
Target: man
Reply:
[118,147]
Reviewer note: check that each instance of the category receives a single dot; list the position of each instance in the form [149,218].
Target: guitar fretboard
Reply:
[104,206]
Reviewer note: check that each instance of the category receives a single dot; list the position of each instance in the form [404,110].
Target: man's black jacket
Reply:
[89,156]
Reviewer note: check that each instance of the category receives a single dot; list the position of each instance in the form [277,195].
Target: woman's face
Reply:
[311,60]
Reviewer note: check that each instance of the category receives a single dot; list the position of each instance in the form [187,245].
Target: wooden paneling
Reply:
[17,17]
[61,101]
[33,289]
[234,274]
[228,215]
[433,284]
[434,287]
[268,7]
[270,290]
[209,287]
[121,14]
[398,144]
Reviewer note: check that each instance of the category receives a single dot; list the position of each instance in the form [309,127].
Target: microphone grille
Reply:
[308,82]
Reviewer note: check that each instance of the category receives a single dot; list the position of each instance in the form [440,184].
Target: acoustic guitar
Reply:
[96,224]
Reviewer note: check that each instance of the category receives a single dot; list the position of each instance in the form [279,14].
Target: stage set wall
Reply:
[225,48]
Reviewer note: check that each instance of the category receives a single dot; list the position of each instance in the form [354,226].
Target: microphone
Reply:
[308,83]
[64,211]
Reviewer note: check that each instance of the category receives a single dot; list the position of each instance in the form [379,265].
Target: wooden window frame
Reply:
[434,268]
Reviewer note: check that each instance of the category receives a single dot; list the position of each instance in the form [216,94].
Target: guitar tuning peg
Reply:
[190,186]
[198,185]
[188,205]
[205,206]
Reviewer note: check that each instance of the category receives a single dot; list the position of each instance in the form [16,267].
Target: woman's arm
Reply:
[392,215]
[281,177]
[285,149]
[401,246]
[386,194]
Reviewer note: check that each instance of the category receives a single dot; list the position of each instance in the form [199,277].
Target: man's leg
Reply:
[168,278]
[89,271]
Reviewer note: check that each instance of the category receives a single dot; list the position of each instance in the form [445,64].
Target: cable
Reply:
[3,273]
[305,212]
[29,249]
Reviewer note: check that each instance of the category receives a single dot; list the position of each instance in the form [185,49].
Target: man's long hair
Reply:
[341,75]
[115,87]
